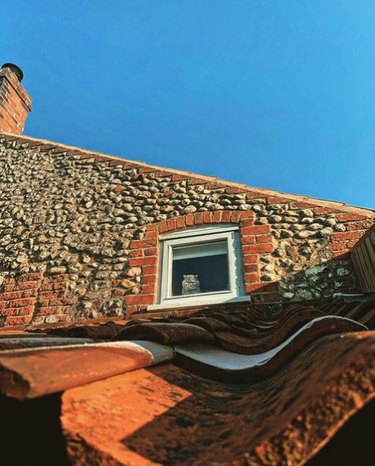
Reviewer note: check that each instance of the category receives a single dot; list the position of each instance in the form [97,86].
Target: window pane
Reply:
[200,250]
[193,272]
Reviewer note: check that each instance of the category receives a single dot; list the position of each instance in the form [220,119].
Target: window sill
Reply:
[204,301]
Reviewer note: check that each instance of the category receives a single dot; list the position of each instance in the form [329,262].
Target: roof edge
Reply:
[340,206]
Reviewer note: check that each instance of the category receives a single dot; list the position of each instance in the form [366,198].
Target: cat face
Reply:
[190,284]
[190,277]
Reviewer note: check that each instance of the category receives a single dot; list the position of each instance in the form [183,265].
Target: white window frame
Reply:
[196,236]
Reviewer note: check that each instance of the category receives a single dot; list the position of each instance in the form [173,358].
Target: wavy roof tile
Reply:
[263,389]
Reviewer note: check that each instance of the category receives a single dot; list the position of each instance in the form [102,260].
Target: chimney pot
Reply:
[16,70]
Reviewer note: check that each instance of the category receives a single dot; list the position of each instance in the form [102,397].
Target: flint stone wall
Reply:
[67,220]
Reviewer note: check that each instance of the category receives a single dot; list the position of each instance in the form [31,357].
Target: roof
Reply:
[263,388]
[84,154]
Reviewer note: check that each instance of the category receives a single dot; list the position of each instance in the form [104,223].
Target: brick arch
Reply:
[255,240]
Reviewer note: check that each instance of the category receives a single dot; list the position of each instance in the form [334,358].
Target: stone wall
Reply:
[69,218]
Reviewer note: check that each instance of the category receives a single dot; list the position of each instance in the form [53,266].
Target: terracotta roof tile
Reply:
[283,410]
[168,416]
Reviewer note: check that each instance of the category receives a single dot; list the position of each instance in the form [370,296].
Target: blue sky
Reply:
[272,93]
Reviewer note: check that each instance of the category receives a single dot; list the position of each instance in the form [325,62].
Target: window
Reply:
[201,265]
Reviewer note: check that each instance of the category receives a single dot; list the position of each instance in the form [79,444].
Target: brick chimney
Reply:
[15,102]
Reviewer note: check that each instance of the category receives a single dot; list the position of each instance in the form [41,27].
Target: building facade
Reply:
[85,235]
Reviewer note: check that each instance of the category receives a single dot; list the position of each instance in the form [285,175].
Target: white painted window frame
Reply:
[197,236]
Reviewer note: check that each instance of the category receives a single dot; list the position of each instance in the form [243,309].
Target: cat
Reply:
[190,284]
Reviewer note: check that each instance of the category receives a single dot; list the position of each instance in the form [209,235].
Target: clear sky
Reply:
[272,93]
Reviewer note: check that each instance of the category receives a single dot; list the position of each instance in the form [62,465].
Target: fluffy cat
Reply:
[190,284]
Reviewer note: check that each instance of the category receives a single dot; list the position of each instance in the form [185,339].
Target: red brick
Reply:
[246,222]
[150,269]
[151,235]
[179,177]
[350,216]
[146,170]
[17,311]
[338,246]
[152,227]
[171,224]
[216,216]
[21,320]
[214,185]
[147,279]
[27,285]
[139,299]
[248,214]
[136,253]
[50,295]
[278,200]
[235,190]
[263,239]
[248,239]
[235,216]
[250,259]
[324,210]
[207,217]
[162,173]
[137,261]
[189,220]
[226,215]
[363,225]
[11,295]
[29,293]
[163,227]
[251,277]
[150,252]
[255,195]
[149,288]
[249,268]
[346,236]
[250,287]
[266,247]
[198,218]
[340,255]
[180,222]
[255,230]
[143,243]
[22,302]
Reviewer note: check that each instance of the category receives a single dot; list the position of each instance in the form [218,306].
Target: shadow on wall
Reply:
[320,281]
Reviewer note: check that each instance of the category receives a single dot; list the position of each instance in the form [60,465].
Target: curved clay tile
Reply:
[227,367]
[166,415]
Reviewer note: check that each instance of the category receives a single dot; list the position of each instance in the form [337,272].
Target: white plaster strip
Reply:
[222,359]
